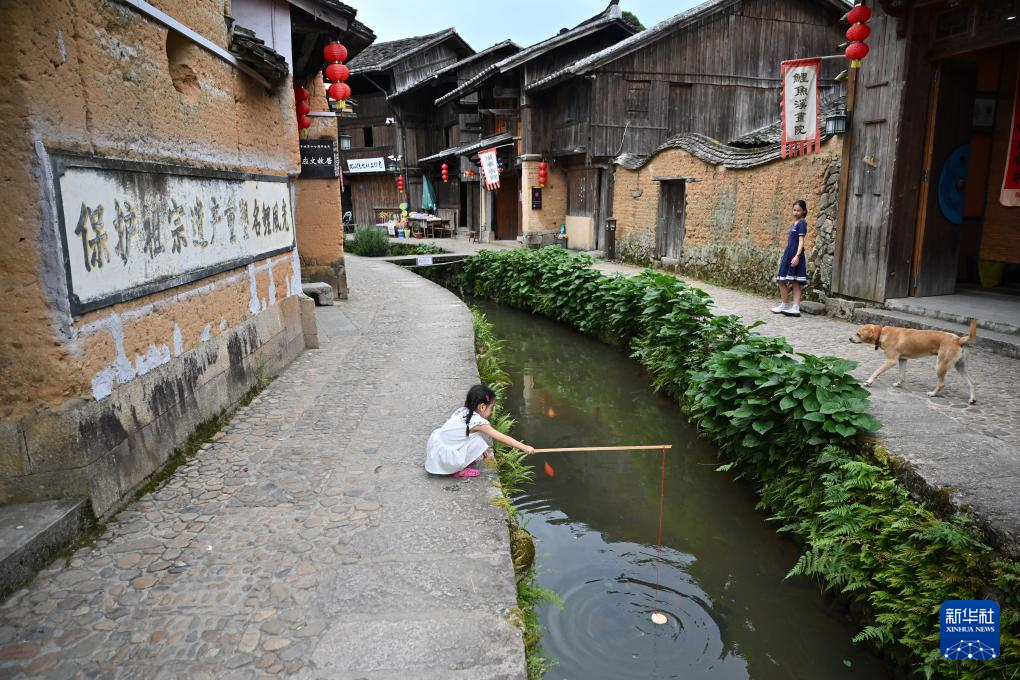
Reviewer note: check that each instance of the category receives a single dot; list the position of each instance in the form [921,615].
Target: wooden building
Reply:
[386,139]
[452,131]
[932,111]
[670,79]
[507,115]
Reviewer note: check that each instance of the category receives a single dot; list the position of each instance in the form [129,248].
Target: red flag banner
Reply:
[1010,195]
[800,106]
[490,168]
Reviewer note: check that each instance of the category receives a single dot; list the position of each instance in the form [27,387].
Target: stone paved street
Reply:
[306,540]
[975,449]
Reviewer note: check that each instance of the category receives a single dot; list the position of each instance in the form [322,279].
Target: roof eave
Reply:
[341,17]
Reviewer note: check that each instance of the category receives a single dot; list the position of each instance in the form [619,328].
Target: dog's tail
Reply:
[966,339]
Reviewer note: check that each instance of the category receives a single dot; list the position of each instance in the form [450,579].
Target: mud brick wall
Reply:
[91,404]
[554,199]
[736,220]
[320,229]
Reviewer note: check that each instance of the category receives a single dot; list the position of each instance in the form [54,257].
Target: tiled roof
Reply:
[470,147]
[254,52]
[710,151]
[650,35]
[611,15]
[380,56]
[506,44]
[773,133]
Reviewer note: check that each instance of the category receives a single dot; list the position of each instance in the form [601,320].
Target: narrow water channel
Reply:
[731,613]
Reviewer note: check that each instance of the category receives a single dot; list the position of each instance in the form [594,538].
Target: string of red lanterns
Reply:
[400,183]
[857,34]
[444,171]
[543,174]
[336,72]
[301,106]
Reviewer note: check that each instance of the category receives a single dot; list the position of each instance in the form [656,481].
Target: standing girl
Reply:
[466,436]
[793,266]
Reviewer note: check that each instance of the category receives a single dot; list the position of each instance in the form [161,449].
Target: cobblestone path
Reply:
[306,540]
[975,449]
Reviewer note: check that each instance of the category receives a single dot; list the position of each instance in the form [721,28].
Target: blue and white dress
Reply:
[788,273]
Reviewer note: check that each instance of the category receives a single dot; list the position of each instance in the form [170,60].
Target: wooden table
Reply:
[425,226]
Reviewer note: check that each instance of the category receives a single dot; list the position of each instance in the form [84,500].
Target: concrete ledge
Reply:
[32,533]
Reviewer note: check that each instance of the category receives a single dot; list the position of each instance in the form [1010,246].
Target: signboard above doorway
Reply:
[356,165]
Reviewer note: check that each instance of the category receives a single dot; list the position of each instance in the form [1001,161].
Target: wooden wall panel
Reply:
[875,128]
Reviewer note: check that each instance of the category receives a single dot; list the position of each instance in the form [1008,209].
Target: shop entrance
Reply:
[966,238]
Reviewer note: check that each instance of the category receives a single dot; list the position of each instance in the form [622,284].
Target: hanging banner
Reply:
[1010,194]
[800,106]
[490,168]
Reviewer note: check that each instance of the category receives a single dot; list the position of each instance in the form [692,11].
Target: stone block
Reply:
[322,293]
[52,442]
[815,308]
[308,325]
[13,454]
[841,308]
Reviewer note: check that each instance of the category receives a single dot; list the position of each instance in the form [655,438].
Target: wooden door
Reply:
[507,207]
[604,211]
[936,250]
[669,229]
[679,117]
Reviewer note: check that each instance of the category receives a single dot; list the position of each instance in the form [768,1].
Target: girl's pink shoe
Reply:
[466,472]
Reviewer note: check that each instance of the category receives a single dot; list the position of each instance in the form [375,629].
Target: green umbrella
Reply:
[428,195]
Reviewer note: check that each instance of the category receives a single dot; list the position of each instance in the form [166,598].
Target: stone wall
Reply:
[736,220]
[92,403]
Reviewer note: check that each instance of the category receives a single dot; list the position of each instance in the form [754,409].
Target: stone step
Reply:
[31,534]
[998,323]
[1005,344]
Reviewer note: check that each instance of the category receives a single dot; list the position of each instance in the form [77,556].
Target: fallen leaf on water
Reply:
[551,413]
[549,470]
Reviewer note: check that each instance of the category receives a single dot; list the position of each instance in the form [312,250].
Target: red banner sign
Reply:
[1010,195]
[800,106]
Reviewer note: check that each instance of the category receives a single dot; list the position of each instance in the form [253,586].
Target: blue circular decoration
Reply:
[952,182]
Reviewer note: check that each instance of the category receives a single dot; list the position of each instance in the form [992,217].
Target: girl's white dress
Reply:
[450,449]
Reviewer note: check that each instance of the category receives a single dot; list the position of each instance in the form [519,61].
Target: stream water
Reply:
[731,613]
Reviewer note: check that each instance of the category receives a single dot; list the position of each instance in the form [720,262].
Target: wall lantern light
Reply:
[836,123]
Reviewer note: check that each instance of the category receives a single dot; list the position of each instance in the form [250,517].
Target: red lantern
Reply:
[855,52]
[400,183]
[339,91]
[445,172]
[301,94]
[303,108]
[858,15]
[304,122]
[334,52]
[858,32]
[337,73]
[543,173]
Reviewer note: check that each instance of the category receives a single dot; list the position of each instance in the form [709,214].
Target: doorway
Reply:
[669,228]
[962,238]
[508,202]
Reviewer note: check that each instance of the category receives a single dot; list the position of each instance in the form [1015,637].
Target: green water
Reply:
[721,574]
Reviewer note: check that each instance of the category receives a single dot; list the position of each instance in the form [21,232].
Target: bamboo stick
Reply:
[605,448]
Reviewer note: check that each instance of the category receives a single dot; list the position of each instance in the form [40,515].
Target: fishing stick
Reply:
[657,616]
[657,447]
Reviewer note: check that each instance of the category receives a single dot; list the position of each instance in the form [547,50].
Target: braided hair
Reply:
[476,396]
